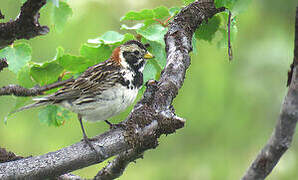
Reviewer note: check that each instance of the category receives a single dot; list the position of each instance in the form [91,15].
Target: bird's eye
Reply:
[136,52]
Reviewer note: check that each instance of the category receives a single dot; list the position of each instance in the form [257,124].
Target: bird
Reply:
[103,90]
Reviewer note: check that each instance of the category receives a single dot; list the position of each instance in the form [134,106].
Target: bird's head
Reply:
[132,54]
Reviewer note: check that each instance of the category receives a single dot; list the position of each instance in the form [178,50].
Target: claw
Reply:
[87,141]
[114,126]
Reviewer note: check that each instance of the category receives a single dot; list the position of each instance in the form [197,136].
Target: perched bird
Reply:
[105,89]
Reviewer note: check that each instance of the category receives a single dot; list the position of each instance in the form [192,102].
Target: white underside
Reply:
[110,103]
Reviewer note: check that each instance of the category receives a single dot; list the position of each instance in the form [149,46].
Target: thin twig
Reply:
[283,133]
[18,90]
[295,60]
[230,52]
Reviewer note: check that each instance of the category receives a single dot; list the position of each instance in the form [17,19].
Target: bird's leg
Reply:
[110,124]
[113,126]
[85,138]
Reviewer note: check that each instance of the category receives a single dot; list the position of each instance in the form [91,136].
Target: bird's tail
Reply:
[39,102]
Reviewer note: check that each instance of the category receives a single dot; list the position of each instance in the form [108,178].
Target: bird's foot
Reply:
[88,142]
[115,126]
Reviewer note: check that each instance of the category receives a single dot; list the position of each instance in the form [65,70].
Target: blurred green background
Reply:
[231,107]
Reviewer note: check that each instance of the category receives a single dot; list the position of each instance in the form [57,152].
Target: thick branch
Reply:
[116,168]
[150,118]
[25,26]
[77,155]
[282,136]
[18,90]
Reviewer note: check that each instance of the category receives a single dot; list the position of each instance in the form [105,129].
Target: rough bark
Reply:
[283,133]
[116,167]
[25,26]
[151,117]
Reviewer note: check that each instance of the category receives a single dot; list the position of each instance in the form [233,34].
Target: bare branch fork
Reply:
[283,133]
[25,26]
[151,117]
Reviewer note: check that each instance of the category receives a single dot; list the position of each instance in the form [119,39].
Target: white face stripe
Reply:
[122,61]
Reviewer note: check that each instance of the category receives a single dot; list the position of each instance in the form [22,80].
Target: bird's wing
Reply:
[92,82]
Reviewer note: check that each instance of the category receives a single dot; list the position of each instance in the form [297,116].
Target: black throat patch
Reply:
[135,64]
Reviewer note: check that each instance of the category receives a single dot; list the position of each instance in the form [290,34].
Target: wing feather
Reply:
[92,82]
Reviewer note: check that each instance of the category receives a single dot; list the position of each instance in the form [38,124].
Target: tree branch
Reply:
[151,117]
[282,136]
[18,90]
[116,168]
[1,15]
[3,64]
[6,156]
[230,51]
[25,26]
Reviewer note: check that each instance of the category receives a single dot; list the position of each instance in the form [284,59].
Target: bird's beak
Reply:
[148,55]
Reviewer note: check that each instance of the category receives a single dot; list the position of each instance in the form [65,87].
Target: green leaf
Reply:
[46,73]
[53,115]
[154,66]
[17,56]
[96,54]
[60,15]
[194,44]
[112,38]
[159,52]
[24,78]
[154,32]
[174,10]
[137,26]
[224,3]
[207,30]
[187,2]
[74,64]
[59,52]
[161,12]
[235,6]
[150,71]
[127,37]
[148,23]
[142,15]
[147,14]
